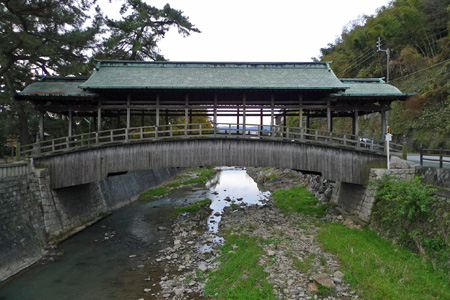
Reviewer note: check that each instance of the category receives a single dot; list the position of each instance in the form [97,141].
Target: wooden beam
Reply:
[243,114]
[300,111]
[70,120]
[355,122]
[41,125]
[128,111]
[99,116]
[157,111]
[329,119]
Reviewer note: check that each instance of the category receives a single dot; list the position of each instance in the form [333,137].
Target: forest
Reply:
[416,32]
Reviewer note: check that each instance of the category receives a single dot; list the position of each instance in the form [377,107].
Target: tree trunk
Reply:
[23,119]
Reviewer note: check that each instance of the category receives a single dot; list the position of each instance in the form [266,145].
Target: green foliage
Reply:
[326,292]
[193,207]
[159,191]
[306,265]
[201,277]
[402,202]
[202,175]
[417,34]
[174,184]
[239,276]
[65,37]
[199,179]
[298,199]
[136,35]
[404,210]
[380,269]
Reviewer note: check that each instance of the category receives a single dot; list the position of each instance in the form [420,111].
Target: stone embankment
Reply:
[274,179]
[294,262]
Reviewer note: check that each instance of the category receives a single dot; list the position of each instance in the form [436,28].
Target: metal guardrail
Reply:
[14,169]
[174,131]
[443,154]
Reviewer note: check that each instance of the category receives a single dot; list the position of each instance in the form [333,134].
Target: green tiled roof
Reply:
[219,75]
[369,87]
[57,87]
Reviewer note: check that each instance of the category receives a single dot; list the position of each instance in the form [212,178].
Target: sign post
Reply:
[388,139]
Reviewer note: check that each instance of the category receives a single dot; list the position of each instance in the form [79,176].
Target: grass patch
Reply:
[201,277]
[239,276]
[199,179]
[193,207]
[159,191]
[326,292]
[174,184]
[305,265]
[271,176]
[298,199]
[380,269]
[234,206]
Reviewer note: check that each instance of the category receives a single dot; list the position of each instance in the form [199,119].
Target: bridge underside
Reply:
[92,165]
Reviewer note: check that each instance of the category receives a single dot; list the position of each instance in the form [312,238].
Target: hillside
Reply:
[416,32]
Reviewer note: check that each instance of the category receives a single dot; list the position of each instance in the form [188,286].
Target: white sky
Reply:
[251,30]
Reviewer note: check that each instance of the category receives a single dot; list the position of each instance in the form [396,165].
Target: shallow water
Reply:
[113,258]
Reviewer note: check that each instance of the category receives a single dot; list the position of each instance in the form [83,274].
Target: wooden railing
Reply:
[437,155]
[174,131]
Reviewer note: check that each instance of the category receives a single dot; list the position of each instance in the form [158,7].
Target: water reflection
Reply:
[231,185]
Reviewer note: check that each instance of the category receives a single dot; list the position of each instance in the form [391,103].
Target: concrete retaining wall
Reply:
[32,215]
[359,200]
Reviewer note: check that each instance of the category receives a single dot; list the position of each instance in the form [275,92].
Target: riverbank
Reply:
[293,262]
[270,255]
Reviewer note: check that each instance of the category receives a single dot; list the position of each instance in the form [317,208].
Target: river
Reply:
[112,259]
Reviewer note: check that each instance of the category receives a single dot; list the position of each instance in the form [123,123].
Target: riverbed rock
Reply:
[324,280]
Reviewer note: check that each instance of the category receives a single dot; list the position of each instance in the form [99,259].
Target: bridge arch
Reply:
[94,164]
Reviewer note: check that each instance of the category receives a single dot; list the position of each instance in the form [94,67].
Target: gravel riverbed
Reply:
[294,262]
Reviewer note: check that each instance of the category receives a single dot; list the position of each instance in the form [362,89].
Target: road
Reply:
[414,157]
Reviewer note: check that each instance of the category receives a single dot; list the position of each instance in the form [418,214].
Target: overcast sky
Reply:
[248,30]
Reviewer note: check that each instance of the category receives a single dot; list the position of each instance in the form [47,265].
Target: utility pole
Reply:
[387,51]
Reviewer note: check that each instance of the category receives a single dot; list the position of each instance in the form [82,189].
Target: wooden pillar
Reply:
[300,111]
[128,111]
[383,123]
[243,114]
[355,122]
[186,113]
[237,122]
[167,116]
[308,120]
[215,114]
[70,121]
[272,114]
[272,110]
[41,125]
[215,109]
[99,116]
[157,111]
[329,120]
[261,119]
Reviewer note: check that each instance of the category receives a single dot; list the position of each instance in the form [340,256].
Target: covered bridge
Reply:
[122,90]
